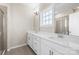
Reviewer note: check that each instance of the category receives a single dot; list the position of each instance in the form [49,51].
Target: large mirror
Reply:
[67,18]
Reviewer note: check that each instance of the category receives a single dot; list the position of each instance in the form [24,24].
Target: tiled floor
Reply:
[25,50]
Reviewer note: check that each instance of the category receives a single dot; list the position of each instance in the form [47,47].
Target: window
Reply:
[46,17]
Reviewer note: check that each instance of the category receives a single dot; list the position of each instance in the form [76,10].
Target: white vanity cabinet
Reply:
[46,46]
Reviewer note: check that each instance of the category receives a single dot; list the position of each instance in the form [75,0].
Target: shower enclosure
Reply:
[3,31]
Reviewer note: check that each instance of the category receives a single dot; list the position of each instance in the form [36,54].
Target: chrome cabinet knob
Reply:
[49,52]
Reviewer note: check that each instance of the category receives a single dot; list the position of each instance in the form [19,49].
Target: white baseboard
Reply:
[16,46]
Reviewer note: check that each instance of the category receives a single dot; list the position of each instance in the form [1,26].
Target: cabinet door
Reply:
[54,52]
[36,45]
[45,48]
[49,48]
[29,40]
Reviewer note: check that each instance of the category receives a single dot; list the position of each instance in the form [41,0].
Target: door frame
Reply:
[4,10]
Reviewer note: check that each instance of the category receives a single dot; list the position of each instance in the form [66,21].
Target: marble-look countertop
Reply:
[69,41]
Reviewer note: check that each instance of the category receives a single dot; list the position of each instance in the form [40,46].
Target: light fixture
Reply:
[36,12]
[36,9]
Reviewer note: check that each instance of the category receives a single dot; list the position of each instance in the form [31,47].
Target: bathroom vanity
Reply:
[63,41]
[53,44]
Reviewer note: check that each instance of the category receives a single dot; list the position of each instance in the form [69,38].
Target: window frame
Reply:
[49,20]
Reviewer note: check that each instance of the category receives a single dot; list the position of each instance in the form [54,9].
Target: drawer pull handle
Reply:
[49,52]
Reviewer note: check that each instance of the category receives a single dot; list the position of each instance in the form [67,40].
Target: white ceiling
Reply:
[65,7]
[59,7]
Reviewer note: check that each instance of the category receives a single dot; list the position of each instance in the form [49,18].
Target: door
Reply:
[1,30]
